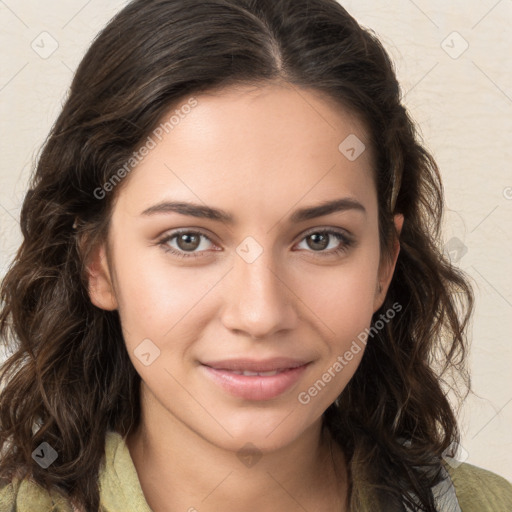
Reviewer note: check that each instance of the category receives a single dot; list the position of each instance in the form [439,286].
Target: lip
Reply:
[256,387]
[253,365]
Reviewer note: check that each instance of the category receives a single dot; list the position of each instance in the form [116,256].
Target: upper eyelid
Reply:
[341,231]
[173,234]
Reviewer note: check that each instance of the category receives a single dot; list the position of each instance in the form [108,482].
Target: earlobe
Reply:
[100,289]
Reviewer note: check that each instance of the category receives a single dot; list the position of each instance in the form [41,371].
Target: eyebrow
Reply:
[217,214]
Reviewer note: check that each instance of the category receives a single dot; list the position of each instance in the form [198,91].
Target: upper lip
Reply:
[265,365]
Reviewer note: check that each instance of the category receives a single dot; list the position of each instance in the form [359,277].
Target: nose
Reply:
[259,302]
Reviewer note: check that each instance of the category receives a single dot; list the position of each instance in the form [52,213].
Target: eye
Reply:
[320,239]
[187,242]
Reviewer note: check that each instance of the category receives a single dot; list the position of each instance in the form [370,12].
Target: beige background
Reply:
[453,60]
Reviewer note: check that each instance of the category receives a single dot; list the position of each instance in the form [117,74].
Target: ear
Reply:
[101,291]
[387,266]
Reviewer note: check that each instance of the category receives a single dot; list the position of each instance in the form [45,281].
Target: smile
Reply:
[255,385]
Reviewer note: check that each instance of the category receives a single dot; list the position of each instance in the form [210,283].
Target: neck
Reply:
[184,471]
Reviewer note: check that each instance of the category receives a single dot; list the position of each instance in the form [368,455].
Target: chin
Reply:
[266,430]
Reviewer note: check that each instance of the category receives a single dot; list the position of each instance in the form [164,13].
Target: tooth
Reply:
[263,374]
[249,373]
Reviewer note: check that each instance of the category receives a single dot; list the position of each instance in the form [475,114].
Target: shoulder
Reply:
[25,495]
[28,496]
[480,490]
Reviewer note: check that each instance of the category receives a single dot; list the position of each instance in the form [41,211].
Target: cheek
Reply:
[161,302]
[342,303]
[342,297]
[156,298]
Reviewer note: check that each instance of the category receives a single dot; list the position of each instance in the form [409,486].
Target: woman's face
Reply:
[265,290]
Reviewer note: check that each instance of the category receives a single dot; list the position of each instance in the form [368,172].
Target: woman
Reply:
[230,287]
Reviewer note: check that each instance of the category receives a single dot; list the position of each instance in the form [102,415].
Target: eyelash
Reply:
[347,243]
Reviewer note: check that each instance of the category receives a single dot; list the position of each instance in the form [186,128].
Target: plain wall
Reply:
[453,61]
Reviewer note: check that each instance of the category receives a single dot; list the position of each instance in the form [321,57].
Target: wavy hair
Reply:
[69,379]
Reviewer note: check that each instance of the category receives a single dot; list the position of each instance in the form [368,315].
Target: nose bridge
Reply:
[258,301]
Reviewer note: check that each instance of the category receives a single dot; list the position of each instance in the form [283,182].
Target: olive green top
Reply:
[477,489]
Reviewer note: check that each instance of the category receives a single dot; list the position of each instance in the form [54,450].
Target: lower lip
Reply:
[255,387]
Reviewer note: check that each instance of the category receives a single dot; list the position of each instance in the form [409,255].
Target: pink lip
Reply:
[265,365]
[255,387]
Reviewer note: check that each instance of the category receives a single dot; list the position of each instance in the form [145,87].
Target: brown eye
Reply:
[320,240]
[186,243]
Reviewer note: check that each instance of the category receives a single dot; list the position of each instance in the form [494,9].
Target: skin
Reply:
[258,153]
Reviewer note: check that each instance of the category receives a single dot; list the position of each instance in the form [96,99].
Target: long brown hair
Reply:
[69,378]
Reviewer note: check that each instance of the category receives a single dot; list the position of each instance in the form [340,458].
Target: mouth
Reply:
[255,380]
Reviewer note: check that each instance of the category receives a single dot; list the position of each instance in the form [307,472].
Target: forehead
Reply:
[264,143]
[273,113]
